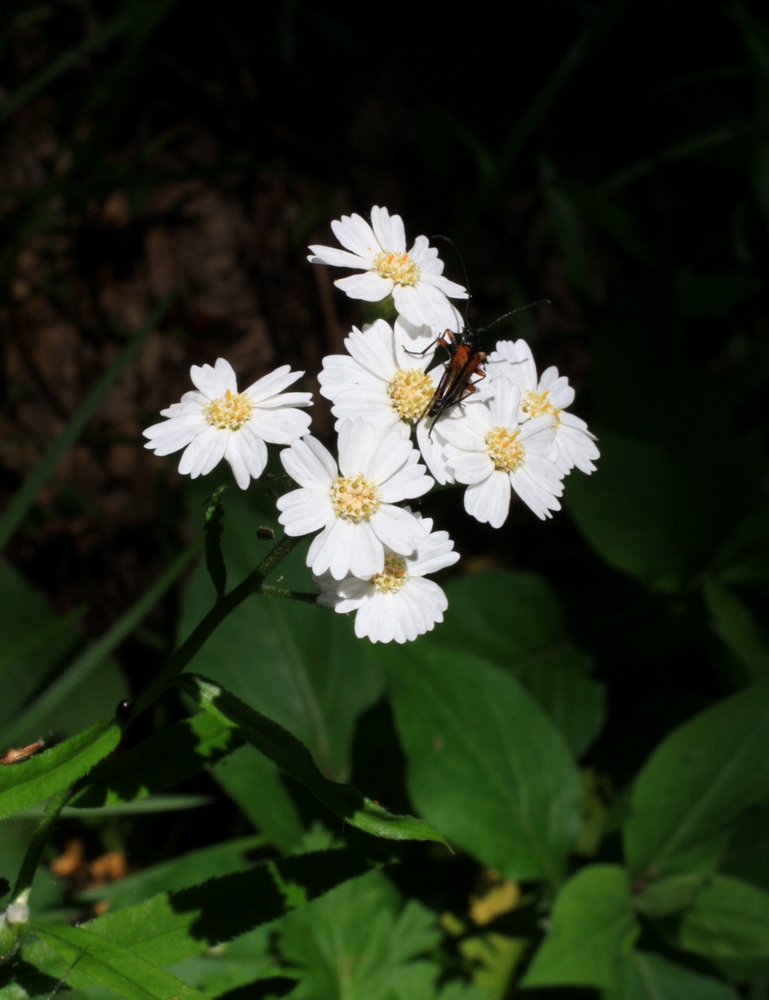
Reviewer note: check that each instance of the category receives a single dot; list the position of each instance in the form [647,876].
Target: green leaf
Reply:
[695,785]
[97,960]
[484,763]
[295,759]
[173,925]
[22,785]
[213,536]
[734,624]
[744,556]
[189,869]
[354,944]
[639,515]
[666,896]
[593,930]
[530,640]
[728,918]
[159,762]
[293,662]
[747,856]
[253,781]
[645,976]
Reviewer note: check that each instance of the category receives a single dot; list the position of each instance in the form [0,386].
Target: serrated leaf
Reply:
[728,918]
[180,752]
[295,759]
[354,943]
[645,976]
[689,794]
[97,960]
[189,869]
[174,925]
[23,784]
[485,764]
[592,930]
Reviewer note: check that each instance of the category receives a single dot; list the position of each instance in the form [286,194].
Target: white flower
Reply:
[573,444]
[397,604]
[219,422]
[383,378]
[490,451]
[414,278]
[356,508]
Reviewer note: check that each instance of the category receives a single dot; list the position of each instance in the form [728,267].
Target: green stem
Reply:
[35,850]
[253,584]
[290,595]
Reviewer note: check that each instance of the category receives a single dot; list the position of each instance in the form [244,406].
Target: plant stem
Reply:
[253,584]
[35,850]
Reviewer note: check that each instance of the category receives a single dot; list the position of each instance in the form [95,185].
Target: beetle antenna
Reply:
[539,302]
[448,239]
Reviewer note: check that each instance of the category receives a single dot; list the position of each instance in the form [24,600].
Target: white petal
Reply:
[309,463]
[489,501]
[367,556]
[272,384]
[369,286]
[209,381]
[338,258]
[504,405]
[354,233]
[469,466]
[408,482]
[374,349]
[533,494]
[304,511]
[388,230]
[225,371]
[397,528]
[280,426]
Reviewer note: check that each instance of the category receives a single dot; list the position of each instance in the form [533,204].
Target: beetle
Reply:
[465,360]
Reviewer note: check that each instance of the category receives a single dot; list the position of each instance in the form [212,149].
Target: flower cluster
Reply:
[501,429]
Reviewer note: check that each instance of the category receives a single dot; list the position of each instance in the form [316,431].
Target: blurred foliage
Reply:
[589,727]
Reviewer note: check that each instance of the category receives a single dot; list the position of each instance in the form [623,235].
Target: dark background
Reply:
[612,157]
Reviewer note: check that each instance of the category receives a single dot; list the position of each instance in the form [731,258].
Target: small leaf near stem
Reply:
[212,531]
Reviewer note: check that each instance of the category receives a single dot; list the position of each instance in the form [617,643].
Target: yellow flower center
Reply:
[399,267]
[411,391]
[537,403]
[393,576]
[354,497]
[230,411]
[506,451]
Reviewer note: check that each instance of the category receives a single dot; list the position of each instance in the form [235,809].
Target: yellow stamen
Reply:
[399,267]
[393,576]
[506,451]
[353,497]
[411,391]
[230,411]
[537,403]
